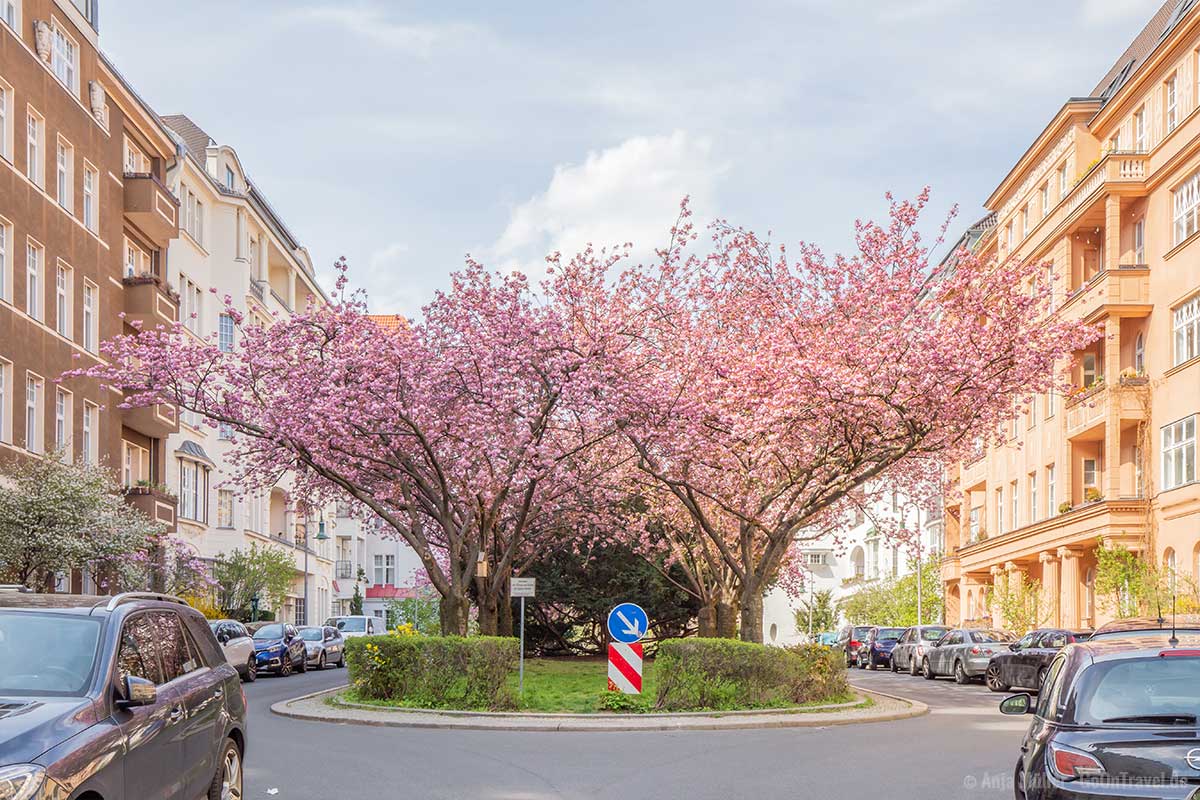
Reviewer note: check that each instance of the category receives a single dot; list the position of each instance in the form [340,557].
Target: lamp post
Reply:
[320,537]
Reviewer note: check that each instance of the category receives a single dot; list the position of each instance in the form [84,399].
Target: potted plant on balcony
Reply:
[1092,495]
[149,487]
[1065,506]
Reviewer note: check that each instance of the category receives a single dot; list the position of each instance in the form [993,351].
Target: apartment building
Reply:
[858,556]
[231,242]
[1108,195]
[82,162]
[383,567]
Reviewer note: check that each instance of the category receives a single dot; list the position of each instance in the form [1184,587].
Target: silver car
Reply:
[323,645]
[908,652]
[964,653]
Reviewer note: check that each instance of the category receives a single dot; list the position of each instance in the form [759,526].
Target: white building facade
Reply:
[857,557]
[232,241]
[383,567]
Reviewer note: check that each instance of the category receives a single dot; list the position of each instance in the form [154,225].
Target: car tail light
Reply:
[1071,764]
[855,643]
[1184,653]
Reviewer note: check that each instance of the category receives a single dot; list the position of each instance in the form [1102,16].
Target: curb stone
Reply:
[312,707]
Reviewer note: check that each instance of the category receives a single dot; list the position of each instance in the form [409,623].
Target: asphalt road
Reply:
[963,750]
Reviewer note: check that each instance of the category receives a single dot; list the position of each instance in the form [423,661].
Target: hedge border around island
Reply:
[448,672]
[727,674]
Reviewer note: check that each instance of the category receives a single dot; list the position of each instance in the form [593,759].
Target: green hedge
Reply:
[725,674]
[433,671]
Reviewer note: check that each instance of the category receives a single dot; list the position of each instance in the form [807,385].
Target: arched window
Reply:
[1139,354]
[1169,562]
[1089,596]
[859,559]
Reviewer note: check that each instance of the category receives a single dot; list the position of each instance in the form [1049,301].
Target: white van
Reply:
[358,625]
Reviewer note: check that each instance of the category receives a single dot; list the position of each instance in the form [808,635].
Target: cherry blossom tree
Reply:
[762,389]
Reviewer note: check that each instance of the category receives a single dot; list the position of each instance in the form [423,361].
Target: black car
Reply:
[876,651]
[1137,626]
[1025,662]
[1116,718]
[850,639]
[115,697]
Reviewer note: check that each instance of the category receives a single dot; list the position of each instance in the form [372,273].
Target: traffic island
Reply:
[866,707]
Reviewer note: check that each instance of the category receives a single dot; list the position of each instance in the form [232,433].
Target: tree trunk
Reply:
[489,612]
[752,616]
[727,619]
[454,613]
[504,624]
[707,621]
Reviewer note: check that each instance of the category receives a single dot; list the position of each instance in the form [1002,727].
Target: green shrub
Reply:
[622,703]
[433,671]
[725,674]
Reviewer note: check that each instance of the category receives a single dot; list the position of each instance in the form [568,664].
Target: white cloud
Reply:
[626,193]
[370,23]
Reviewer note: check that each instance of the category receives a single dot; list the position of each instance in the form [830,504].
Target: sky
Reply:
[406,135]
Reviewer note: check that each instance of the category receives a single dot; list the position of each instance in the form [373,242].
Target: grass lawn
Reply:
[566,685]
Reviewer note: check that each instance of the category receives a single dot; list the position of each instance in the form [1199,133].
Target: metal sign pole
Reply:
[522,669]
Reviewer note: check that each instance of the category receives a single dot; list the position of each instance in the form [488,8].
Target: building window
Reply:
[5,261]
[6,391]
[1089,369]
[1114,143]
[1091,472]
[136,162]
[1008,236]
[1034,508]
[193,215]
[91,331]
[385,570]
[91,203]
[193,491]
[1139,242]
[64,59]
[1139,354]
[1170,102]
[1187,330]
[90,447]
[815,559]
[1044,199]
[229,178]
[225,333]
[10,13]
[34,255]
[225,432]
[1139,130]
[62,300]
[1179,453]
[64,166]
[62,422]
[1051,506]
[1063,184]
[1139,473]
[137,260]
[34,441]
[190,300]
[35,129]
[1014,505]
[135,464]
[999,510]
[6,115]
[1024,220]
[224,508]
[1186,202]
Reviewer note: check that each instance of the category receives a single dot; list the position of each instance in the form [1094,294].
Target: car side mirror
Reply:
[138,692]
[1015,646]
[1016,705]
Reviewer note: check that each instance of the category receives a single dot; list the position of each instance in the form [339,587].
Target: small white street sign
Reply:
[524,587]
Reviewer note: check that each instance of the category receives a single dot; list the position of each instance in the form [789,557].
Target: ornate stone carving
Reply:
[98,98]
[42,39]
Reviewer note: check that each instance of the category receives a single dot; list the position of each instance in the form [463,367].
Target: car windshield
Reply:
[933,634]
[269,632]
[311,634]
[61,649]
[983,637]
[1139,690]
[889,633]
[352,624]
[861,632]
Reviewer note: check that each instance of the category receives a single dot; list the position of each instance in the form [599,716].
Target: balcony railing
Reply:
[281,300]
[256,289]
[1112,168]
[1127,285]
[151,206]
[345,569]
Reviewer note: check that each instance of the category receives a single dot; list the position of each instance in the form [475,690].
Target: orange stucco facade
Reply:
[1105,196]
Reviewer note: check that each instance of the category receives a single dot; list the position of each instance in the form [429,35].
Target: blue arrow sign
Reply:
[627,623]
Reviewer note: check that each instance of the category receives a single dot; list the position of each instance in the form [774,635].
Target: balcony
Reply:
[257,291]
[150,206]
[155,502]
[1088,411]
[156,421]
[150,302]
[344,570]
[1124,291]
[1119,171]
[973,473]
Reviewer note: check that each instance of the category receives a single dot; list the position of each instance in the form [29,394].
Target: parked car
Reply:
[324,645]
[827,638]
[850,638]
[126,696]
[358,625]
[1116,718]
[963,653]
[238,647]
[876,651]
[1025,662]
[1124,628]
[910,647]
[280,649]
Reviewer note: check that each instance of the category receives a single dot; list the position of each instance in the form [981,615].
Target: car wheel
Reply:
[251,669]
[227,782]
[894,666]
[303,665]
[321,661]
[993,680]
[285,666]
[927,670]
[912,666]
[872,664]
[960,674]
[341,660]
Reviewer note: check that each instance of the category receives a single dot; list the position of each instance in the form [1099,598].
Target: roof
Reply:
[388,592]
[193,450]
[1142,46]
[389,322]
[195,140]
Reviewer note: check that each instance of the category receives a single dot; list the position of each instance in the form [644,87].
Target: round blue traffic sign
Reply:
[627,623]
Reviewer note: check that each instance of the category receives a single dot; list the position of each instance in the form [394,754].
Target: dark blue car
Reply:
[876,651]
[279,649]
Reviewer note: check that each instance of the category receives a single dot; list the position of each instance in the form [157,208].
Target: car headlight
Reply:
[21,782]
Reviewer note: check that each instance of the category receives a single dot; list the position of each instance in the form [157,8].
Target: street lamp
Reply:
[320,537]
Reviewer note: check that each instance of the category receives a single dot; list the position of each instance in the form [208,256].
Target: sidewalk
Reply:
[316,707]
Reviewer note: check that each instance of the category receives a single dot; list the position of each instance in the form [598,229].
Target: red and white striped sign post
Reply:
[625,667]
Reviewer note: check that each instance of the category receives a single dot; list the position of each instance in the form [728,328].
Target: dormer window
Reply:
[230,179]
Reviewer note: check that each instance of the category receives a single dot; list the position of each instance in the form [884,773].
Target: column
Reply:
[1050,586]
[1111,483]
[1112,232]
[999,577]
[1069,614]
